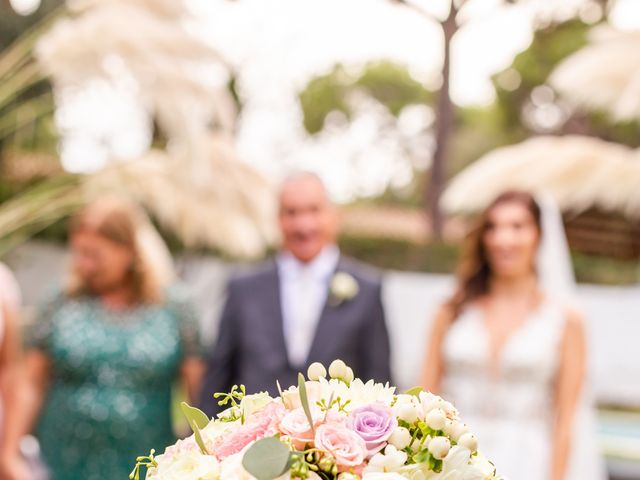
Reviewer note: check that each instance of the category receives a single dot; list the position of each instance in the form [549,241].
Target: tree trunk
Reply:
[443,130]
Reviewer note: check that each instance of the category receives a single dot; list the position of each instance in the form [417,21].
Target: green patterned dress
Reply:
[109,399]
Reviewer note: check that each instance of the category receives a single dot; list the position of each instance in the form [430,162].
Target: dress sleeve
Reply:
[188,320]
[38,335]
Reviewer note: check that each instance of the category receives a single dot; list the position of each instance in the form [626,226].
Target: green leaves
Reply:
[422,456]
[425,457]
[267,459]
[146,462]
[38,207]
[194,415]
[389,83]
[197,421]
[304,400]
[415,391]
[232,398]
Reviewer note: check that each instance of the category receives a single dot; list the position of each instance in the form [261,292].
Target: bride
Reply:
[509,351]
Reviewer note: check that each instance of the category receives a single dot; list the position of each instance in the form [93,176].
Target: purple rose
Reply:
[374,423]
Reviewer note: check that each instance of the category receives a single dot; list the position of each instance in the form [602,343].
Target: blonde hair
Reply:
[125,223]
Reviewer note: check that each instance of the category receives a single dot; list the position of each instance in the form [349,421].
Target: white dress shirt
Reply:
[304,288]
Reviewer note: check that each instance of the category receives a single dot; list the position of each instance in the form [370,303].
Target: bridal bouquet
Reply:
[336,428]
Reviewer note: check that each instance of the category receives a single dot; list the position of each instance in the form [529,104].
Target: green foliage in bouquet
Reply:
[197,421]
[143,461]
[267,459]
[233,400]
[339,428]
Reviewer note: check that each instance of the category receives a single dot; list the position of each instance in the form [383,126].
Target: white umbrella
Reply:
[579,172]
[604,75]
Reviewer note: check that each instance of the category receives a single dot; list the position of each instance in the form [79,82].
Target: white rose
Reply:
[216,429]
[338,369]
[251,404]
[436,419]
[390,461]
[316,371]
[439,447]
[400,438]
[469,441]
[291,396]
[231,468]
[186,465]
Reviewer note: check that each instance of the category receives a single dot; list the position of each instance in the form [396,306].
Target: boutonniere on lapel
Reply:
[343,287]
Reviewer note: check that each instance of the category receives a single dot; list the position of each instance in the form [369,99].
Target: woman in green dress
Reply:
[107,351]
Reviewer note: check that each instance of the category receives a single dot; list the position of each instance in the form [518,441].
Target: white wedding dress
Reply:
[512,410]
[511,413]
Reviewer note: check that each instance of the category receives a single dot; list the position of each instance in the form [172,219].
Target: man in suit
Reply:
[309,304]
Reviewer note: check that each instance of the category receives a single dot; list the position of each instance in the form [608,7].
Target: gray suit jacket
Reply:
[250,349]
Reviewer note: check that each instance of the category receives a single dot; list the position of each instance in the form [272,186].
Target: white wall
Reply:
[613,314]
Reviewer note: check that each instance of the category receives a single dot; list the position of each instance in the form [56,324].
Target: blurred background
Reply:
[414,112]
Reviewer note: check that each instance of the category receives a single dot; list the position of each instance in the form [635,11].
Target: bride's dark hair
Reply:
[474,271]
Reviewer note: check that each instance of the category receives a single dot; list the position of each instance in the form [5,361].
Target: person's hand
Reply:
[13,467]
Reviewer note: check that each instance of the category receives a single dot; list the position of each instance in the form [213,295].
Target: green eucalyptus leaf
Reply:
[267,459]
[415,391]
[197,420]
[304,399]
[194,415]
[198,437]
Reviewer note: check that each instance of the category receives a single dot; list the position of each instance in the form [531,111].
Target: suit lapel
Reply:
[328,321]
[273,311]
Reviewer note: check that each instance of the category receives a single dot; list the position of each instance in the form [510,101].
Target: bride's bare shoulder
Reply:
[574,322]
[445,315]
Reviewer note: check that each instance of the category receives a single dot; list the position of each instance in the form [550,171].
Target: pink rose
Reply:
[291,396]
[295,425]
[260,425]
[346,446]
[181,447]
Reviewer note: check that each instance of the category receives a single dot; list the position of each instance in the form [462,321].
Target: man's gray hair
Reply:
[303,175]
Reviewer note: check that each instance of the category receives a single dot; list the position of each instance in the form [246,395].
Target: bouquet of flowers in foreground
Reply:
[324,429]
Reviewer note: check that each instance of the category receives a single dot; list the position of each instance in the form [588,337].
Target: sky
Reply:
[277,46]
